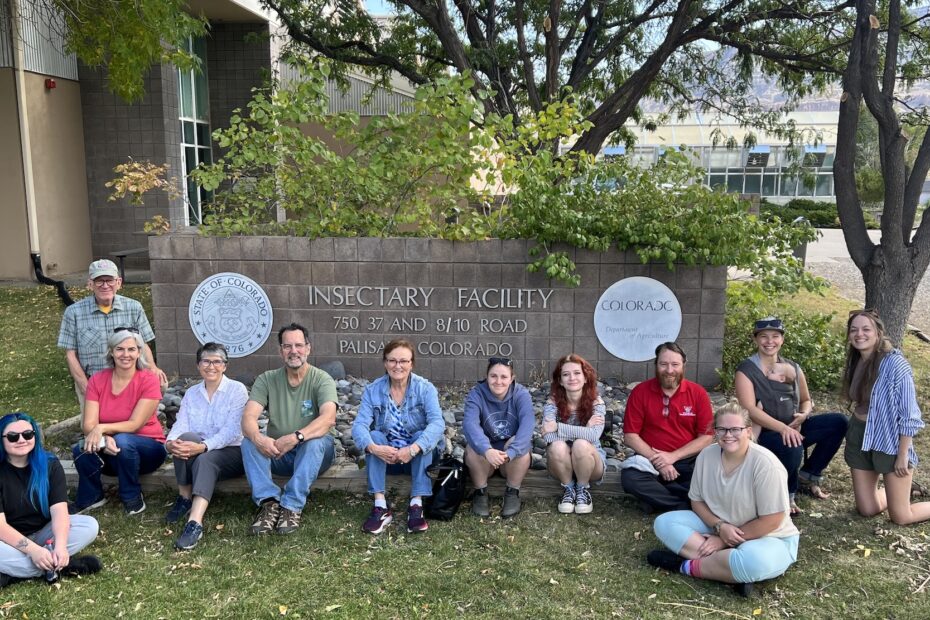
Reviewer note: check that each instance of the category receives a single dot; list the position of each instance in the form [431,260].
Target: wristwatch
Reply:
[299,436]
[718,525]
[411,448]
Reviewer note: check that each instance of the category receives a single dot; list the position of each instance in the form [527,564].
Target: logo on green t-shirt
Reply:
[306,409]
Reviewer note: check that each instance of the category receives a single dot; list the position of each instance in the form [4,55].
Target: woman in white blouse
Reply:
[204,441]
[573,420]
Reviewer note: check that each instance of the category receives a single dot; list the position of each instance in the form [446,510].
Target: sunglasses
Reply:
[665,404]
[134,330]
[504,361]
[13,437]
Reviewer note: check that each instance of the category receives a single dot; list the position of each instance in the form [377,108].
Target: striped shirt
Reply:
[85,328]
[572,429]
[893,408]
[218,421]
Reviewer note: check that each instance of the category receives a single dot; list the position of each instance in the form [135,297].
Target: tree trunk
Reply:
[890,284]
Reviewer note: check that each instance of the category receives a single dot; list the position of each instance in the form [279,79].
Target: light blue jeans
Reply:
[377,470]
[15,563]
[303,464]
[754,560]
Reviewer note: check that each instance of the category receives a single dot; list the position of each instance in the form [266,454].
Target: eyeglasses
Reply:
[13,437]
[504,361]
[134,330]
[665,403]
[105,282]
[396,362]
[212,363]
[294,347]
[733,431]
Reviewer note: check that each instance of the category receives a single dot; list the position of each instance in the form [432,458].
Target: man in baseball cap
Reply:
[87,323]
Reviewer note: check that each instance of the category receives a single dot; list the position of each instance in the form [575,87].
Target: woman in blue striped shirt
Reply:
[879,384]
[573,420]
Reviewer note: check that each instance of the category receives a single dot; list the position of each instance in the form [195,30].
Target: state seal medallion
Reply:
[233,310]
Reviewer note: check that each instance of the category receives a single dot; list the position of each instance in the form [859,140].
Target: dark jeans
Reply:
[825,432]
[653,490]
[137,455]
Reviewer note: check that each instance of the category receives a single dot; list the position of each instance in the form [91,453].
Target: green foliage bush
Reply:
[819,214]
[810,338]
[420,173]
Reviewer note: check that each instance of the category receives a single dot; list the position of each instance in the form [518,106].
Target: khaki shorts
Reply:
[872,460]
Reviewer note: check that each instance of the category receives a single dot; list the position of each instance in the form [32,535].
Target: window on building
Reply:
[193,106]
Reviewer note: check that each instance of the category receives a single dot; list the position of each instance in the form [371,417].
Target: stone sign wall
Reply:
[458,302]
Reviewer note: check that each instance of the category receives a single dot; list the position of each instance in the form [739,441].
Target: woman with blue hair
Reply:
[37,536]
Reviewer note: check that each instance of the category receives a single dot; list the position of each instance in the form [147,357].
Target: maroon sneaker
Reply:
[379,519]
[415,520]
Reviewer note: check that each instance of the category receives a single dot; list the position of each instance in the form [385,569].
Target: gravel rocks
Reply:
[452,397]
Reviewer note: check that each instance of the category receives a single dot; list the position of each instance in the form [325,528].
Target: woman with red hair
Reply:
[573,420]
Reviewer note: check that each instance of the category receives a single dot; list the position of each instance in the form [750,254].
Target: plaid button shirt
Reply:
[84,328]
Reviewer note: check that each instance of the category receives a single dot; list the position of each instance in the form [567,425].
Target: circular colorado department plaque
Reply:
[634,316]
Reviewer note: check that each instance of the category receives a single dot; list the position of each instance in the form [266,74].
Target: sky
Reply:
[378,7]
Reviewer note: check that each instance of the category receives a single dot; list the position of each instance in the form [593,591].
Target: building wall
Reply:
[57,143]
[286,268]
[14,235]
[238,59]
[114,130]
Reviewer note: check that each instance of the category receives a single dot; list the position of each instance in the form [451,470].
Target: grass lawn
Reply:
[538,565]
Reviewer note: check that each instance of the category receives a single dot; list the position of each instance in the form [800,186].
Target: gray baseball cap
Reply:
[102,267]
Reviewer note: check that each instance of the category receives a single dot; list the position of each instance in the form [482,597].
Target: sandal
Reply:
[814,490]
[809,487]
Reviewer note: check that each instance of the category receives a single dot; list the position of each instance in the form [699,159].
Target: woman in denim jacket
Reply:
[398,425]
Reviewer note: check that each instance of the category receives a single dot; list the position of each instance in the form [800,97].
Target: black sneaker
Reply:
[662,558]
[480,506]
[583,502]
[5,580]
[512,503]
[134,506]
[567,505]
[189,538]
[744,589]
[182,506]
[82,565]
[75,509]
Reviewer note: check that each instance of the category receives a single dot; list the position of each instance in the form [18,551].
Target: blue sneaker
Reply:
[189,538]
[182,506]
[134,506]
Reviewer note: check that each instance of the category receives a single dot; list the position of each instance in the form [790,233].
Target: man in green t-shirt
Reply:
[301,404]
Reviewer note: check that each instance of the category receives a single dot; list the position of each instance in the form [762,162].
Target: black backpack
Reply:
[449,476]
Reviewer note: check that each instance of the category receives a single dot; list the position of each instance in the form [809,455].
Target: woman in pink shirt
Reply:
[122,434]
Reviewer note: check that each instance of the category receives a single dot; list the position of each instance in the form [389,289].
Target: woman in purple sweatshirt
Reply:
[498,427]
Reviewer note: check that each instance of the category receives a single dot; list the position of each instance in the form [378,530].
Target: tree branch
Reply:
[844,174]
